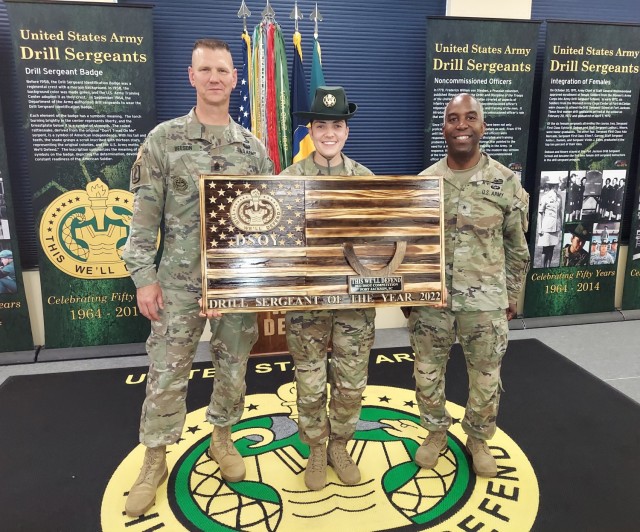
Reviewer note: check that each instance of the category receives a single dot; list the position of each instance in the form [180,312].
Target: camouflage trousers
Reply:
[308,333]
[484,337]
[171,347]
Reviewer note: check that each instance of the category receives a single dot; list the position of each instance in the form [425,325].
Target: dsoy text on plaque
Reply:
[314,242]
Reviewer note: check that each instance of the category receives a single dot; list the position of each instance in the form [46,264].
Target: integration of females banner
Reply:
[15,328]
[493,60]
[86,75]
[589,99]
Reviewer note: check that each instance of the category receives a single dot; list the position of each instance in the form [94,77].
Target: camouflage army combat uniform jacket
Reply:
[165,181]
[486,254]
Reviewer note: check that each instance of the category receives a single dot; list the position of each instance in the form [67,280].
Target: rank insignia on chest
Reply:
[179,184]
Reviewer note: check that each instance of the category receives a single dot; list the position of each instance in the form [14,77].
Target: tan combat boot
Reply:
[142,495]
[342,463]
[315,476]
[428,453]
[484,464]
[224,452]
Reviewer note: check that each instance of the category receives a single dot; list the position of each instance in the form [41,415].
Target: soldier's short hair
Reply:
[480,106]
[213,44]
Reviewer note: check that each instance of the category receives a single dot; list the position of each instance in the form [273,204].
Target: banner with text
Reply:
[589,99]
[86,75]
[15,327]
[495,61]
[631,293]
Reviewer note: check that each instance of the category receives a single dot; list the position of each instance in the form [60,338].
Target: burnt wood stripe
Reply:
[420,226]
[215,265]
[309,271]
[372,232]
[378,213]
[370,250]
[255,290]
[326,241]
[372,203]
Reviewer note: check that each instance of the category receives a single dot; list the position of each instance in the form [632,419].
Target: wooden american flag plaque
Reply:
[297,242]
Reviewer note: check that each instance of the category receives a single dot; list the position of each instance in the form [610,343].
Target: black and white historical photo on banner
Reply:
[551,209]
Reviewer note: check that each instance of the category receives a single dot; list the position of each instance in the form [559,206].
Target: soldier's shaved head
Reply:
[464,95]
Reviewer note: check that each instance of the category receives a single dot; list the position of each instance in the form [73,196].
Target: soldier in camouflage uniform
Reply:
[164,179]
[351,330]
[486,258]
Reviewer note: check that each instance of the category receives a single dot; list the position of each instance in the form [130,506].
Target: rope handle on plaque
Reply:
[361,269]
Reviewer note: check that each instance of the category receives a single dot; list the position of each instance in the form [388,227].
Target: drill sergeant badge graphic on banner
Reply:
[82,232]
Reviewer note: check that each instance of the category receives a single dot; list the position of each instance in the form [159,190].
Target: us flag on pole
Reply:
[244,109]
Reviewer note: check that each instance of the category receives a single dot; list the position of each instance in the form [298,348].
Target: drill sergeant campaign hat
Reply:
[581,232]
[329,103]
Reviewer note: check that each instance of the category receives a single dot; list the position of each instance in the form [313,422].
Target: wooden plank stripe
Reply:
[306,290]
[373,203]
[309,271]
[356,224]
[364,182]
[321,251]
[372,232]
[265,265]
[424,240]
[378,213]
[305,280]
[351,195]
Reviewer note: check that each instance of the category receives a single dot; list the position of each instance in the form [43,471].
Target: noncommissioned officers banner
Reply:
[589,98]
[495,61]
[15,327]
[86,76]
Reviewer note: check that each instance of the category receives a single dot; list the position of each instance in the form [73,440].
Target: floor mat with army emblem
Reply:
[566,450]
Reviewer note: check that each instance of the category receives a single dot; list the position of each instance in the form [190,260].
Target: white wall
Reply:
[518,9]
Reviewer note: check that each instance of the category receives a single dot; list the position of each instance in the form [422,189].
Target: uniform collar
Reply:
[197,131]
[448,175]
[310,167]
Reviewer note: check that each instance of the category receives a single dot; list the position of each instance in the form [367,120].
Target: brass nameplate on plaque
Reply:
[313,242]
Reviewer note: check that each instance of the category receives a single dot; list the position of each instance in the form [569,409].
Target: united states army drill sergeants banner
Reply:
[495,61]
[86,77]
[589,100]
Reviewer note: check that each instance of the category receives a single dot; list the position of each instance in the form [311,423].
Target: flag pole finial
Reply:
[316,17]
[244,13]
[268,12]
[296,14]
